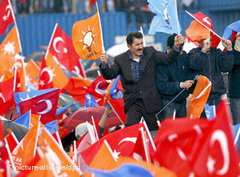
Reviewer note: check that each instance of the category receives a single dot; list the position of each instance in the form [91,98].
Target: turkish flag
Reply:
[87,38]
[122,142]
[46,76]
[6,15]
[6,95]
[11,141]
[207,23]
[98,89]
[44,105]
[198,147]
[76,87]
[117,105]
[62,48]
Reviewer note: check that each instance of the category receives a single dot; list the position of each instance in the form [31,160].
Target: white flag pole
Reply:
[178,28]
[51,40]
[203,24]
[103,48]
[15,23]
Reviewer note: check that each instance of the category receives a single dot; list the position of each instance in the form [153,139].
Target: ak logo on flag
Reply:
[86,36]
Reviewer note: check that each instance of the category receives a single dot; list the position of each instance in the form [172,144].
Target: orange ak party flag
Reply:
[87,38]
[199,97]
[8,49]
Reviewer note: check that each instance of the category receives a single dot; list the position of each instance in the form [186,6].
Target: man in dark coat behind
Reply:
[211,62]
[136,68]
[171,80]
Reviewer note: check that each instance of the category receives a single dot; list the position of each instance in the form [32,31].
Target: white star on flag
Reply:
[9,48]
[115,154]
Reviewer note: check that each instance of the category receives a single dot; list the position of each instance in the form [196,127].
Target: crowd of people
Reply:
[153,80]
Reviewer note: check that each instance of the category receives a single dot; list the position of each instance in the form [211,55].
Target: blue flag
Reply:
[25,119]
[114,93]
[52,127]
[22,96]
[166,18]
[235,130]
[63,109]
[126,170]
[230,28]
[90,101]
[210,111]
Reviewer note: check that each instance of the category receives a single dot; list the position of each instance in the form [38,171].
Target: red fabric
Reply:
[6,98]
[45,78]
[62,48]
[117,105]
[85,114]
[44,105]
[12,143]
[6,16]
[121,141]
[201,147]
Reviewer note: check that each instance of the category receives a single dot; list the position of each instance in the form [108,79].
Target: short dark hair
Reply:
[170,40]
[132,35]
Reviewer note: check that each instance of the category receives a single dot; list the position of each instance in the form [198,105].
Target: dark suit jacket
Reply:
[146,86]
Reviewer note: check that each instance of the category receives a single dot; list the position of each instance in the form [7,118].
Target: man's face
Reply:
[136,48]
[238,36]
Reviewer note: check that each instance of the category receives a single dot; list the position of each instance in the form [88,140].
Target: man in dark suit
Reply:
[136,68]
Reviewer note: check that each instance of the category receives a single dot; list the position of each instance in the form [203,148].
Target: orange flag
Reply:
[26,149]
[197,32]
[58,158]
[8,49]
[32,72]
[87,39]
[199,97]
[56,74]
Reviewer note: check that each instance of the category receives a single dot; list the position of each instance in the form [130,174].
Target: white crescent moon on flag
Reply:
[1,96]
[76,69]
[205,19]
[221,137]
[130,139]
[98,90]
[8,9]
[55,41]
[49,106]
[50,75]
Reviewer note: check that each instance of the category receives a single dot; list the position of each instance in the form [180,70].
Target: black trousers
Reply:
[137,111]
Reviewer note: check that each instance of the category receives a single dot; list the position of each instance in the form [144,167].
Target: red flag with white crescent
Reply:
[62,48]
[6,15]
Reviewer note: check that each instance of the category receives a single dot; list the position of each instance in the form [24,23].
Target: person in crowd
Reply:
[132,7]
[234,82]
[136,68]
[171,80]
[211,62]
